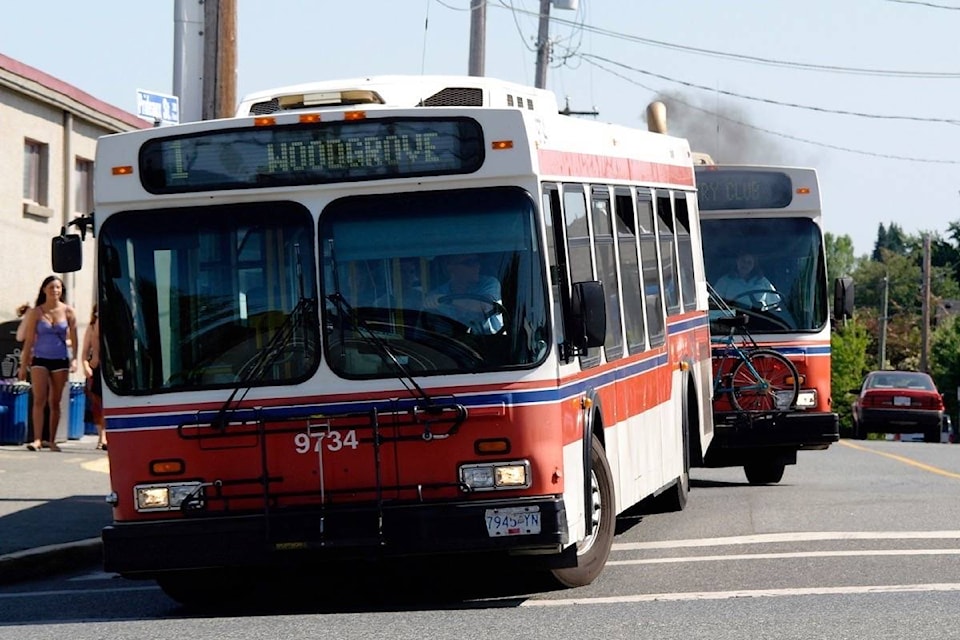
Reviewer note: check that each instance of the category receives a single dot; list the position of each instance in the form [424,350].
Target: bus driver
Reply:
[468,297]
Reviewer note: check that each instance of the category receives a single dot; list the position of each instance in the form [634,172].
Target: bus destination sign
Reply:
[743,189]
[316,153]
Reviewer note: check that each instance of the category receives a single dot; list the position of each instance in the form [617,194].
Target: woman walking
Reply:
[50,331]
[91,369]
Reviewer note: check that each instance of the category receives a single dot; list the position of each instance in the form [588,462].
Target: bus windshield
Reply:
[445,282]
[788,293]
[224,296]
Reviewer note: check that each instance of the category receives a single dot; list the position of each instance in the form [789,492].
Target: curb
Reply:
[44,561]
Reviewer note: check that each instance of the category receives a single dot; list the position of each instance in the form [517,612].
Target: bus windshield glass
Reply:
[223,297]
[432,283]
[772,269]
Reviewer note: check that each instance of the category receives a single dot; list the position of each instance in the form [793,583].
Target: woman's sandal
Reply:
[102,446]
[53,447]
[34,446]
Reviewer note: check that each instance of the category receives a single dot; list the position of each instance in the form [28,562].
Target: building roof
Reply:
[42,86]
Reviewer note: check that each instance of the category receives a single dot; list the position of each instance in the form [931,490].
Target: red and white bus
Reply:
[775,214]
[294,367]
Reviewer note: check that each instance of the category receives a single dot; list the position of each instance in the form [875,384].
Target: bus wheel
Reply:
[592,551]
[764,472]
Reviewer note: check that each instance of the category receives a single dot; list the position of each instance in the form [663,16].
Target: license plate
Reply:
[512,521]
[901,401]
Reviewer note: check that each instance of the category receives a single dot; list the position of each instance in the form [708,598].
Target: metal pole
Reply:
[543,45]
[188,58]
[925,328]
[478,34]
[883,323]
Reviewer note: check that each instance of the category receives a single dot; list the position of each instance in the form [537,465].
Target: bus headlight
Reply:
[490,476]
[167,496]
[807,399]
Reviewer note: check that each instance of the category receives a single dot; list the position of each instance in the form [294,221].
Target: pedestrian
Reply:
[51,326]
[22,327]
[91,369]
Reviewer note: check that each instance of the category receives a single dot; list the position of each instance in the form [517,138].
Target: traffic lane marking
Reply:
[747,593]
[799,536]
[788,555]
[907,461]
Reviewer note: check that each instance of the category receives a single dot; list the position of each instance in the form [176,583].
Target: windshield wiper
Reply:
[369,336]
[255,370]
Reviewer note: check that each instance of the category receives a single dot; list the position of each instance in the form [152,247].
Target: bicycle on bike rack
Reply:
[755,379]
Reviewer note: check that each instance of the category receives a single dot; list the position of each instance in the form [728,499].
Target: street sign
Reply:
[158,107]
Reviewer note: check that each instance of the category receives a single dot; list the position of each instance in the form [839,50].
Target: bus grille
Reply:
[455,97]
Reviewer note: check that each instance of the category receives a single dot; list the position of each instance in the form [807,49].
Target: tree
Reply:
[848,346]
[840,258]
[945,361]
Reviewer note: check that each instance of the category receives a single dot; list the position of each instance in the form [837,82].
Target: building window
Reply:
[83,186]
[35,158]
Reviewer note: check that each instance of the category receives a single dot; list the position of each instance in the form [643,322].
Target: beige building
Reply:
[48,136]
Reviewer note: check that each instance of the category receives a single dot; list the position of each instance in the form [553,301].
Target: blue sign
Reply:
[158,107]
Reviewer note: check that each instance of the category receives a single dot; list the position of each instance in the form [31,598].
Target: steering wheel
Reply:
[758,298]
[496,308]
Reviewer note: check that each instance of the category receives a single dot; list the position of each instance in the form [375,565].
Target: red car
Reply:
[898,402]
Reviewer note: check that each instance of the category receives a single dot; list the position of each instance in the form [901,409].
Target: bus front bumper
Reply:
[295,537]
[740,438]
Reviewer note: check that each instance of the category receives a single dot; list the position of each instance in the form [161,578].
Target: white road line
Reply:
[802,536]
[758,593]
[799,554]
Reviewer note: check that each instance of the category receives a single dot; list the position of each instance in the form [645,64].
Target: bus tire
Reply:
[592,551]
[764,471]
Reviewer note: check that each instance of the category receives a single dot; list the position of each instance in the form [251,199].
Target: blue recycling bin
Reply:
[7,436]
[14,412]
[78,405]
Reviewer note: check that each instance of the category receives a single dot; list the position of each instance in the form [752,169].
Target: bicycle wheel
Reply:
[765,382]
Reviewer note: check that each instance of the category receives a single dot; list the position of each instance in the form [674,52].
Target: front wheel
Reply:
[592,551]
[767,381]
[766,472]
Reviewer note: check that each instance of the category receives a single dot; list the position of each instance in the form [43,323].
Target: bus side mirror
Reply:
[66,252]
[842,298]
[588,315]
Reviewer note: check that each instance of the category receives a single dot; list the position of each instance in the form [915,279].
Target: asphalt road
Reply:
[860,541]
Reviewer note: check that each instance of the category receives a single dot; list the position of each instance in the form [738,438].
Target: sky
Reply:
[865,91]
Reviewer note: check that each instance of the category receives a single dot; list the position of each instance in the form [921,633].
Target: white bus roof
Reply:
[400,91]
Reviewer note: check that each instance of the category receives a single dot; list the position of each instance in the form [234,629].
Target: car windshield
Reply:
[901,380]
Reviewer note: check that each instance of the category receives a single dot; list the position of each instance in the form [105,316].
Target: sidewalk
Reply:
[52,508]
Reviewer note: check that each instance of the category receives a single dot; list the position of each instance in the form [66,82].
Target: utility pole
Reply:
[925,328]
[188,58]
[543,38]
[219,59]
[883,322]
[478,36]
[543,45]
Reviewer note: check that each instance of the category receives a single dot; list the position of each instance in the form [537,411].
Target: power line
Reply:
[793,105]
[816,143]
[930,5]
[581,25]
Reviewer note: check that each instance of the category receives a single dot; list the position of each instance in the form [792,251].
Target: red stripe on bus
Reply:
[593,166]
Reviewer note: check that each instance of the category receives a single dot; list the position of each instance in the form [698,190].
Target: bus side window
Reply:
[579,248]
[650,269]
[607,270]
[668,252]
[688,287]
[633,314]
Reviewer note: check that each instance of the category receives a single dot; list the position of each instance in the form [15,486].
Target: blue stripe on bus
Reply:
[511,399]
